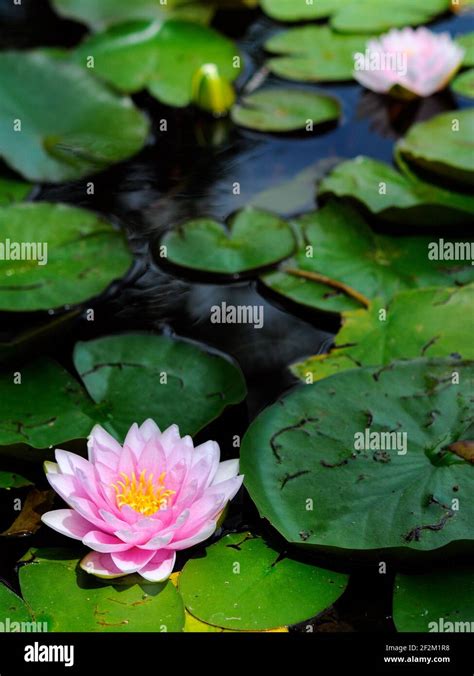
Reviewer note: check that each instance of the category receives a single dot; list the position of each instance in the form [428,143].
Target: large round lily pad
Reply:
[329,466]
[285,110]
[57,255]
[12,190]
[314,54]
[140,376]
[253,239]
[299,10]
[243,583]
[442,146]
[78,602]
[395,197]
[435,601]
[421,323]
[358,264]
[13,611]
[162,57]
[59,123]
[363,16]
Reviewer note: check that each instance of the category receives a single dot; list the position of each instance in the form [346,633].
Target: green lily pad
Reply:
[284,110]
[13,480]
[253,239]
[13,191]
[464,84]
[467,43]
[299,10]
[100,14]
[242,583]
[442,146]
[79,602]
[140,376]
[349,256]
[71,124]
[425,322]
[162,57]
[312,473]
[372,16]
[394,197]
[435,601]
[14,614]
[314,54]
[84,255]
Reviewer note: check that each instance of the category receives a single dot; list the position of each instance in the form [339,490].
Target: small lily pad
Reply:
[442,146]
[425,322]
[13,611]
[285,110]
[467,43]
[364,16]
[435,601]
[57,255]
[253,239]
[243,583]
[394,197]
[464,84]
[62,124]
[79,602]
[12,191]
[314,54]
[13,480]
[299,10]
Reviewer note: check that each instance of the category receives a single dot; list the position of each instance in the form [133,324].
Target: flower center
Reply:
[145,494]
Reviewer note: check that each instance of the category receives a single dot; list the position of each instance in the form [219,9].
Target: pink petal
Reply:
[102,446]
[69,462]
[67,522]
[131,560]
[226,470]
[104,542]
[150,430]
[160,567]
[100,565]
[134,440]
[204,532]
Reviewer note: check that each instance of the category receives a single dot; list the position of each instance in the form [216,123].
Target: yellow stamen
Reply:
[143,495]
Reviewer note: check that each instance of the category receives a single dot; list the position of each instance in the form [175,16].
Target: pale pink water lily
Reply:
[136,505]
[408,63]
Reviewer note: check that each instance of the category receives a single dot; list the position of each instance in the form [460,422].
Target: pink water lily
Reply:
[408,63]
[136,505]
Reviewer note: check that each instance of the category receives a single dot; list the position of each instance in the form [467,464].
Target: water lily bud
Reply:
[211,91]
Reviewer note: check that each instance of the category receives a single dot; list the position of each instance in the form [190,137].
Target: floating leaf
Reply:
[299,10]
[71,124]
[435,601]
[215,593]
[467,43]
[28,521]
[140,376]
[464,84]
[442,146]
[13,480]
[343,254]
[425,322]
[79,602]
[338,446]
[394,197]
[284,110]
[364,16]
[314,54]
[13,611]
[13,191]
[253,239]
[99,14]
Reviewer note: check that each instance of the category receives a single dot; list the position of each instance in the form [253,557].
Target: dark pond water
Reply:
[187,172]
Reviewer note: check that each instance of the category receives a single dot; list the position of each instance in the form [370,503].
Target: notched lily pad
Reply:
[57,255]
[10,480]
[285,110]
[243,583]
[363,16]
[366,438]
[253,239]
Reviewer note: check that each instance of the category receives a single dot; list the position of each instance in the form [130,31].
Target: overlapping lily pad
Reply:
[363,16]
[435,601]
[422,323]
[349,264]
[299,10]
[13,480]
[314,54]
[13,610]
[464,84]
[467,43]
[253,239]
[57,255]
[442,146]
[237,583]
[162,57]
[130,377]
[320,484]
[78,602]
[394,197]
[65,124]
[12,191]
[99,14]
[285,110]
